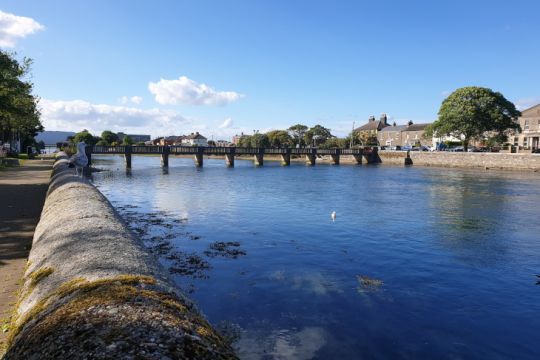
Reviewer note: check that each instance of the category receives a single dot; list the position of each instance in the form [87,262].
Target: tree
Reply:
[109,137]
[470,112]
[211,143]
[127,140]
[279,138]
[260,140]
[85,136]
[334,142]
[317,135]
[19,115]
[102,143]
[297,132]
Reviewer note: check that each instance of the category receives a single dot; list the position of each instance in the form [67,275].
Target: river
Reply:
[419,262]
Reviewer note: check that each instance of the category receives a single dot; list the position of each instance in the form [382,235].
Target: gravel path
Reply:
[22,194]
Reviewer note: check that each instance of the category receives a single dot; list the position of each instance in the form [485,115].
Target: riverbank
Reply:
[22,194]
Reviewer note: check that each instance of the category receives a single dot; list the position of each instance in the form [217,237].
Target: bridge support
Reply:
[358,159]
[335,159]
[285,159]
[408,160]
[127,156]
[310,158]
[258,159]
[198,160]
[229,160]
[165,157]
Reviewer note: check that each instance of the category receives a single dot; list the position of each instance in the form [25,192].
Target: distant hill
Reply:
[52,137]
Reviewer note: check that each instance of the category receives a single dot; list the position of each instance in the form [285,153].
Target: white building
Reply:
[195,139]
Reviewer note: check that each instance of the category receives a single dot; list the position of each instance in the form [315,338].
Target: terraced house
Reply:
[368,133]
[529,137]
[403,135]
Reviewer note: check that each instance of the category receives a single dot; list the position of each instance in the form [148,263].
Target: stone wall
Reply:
[502,161]
[91,290]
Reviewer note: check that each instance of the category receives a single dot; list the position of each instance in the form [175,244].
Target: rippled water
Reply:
[420,262]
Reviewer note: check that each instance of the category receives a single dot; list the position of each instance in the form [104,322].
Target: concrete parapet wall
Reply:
[91,290]
[501,161]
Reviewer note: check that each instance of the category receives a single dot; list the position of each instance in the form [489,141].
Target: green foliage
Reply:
[245,141]
[18,106]
[41,145]
[85,136]
[109,137]
[317,135]
[102,143]
[297,132]
[127,140]
[260,140]
[472,111]
[334,142]
[280,138]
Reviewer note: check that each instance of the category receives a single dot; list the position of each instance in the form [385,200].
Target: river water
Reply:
[419,262]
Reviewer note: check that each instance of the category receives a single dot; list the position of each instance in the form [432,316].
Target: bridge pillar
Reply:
[229,160]
[127,156]
[408,160]
[258,159]
[335,159]
[165,157]
[286,159]
[198,160]
[310,158]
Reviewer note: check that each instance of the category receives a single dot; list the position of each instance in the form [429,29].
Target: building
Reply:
[529,137]
[223,143]
[391,135]
[413,135]
[367,133]
[195,139]
[135,138]
[170,140]
[403,135]
[236,138]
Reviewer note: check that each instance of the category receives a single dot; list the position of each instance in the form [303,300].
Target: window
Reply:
[526,125]
[525,142]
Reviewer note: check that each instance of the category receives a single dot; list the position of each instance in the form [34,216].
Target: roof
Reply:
[394,128]
[372,125]
[194,136]
[532,111]
[416,127]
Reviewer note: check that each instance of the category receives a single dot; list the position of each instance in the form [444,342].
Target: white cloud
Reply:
[522,104]
[227,123]
[75,115]
[186,91]
[134,99]
[13,28]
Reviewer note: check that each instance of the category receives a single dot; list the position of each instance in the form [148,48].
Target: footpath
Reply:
[22,194]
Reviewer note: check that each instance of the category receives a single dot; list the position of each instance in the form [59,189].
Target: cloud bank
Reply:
[75,115]
[186,91]
[13,28]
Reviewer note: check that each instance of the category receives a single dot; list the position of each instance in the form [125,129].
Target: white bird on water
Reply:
[333,216]
[79,160]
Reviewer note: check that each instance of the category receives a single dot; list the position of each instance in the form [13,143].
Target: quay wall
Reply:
[91,290]
[497,161]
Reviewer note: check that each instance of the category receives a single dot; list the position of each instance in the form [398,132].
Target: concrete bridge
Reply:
[369,154]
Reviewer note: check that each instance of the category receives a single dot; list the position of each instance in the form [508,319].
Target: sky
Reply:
[223,67]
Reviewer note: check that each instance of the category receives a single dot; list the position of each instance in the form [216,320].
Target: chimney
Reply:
[410,123]
[383,119]
[371,118]
[394,124]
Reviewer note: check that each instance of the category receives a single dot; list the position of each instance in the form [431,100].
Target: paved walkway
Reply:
[22,194]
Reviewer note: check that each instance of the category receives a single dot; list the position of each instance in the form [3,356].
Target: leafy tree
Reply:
[40,145]
[317,135]
[211,143]
[471,112]
[297,132]
[85,136]
[127,140]
[279,138]
[102,143]
[245,141]
[109,137]
[19,115]
[334,142]
[260,140]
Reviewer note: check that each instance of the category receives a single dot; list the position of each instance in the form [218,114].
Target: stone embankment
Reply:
[91,290]
[496,161]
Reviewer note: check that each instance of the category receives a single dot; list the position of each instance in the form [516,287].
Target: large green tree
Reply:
[317,135]
[260,140]
[109,137]
[472,112]
[19,115]
[85,136]
[279,138]
[297,132]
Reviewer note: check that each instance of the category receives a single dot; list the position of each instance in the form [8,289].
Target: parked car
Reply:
[456,149]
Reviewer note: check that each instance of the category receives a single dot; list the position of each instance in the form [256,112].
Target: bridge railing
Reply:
[147,149]
[109,150]
[218,150]
[184,150]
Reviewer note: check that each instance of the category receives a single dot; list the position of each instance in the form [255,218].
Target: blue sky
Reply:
[142,66]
